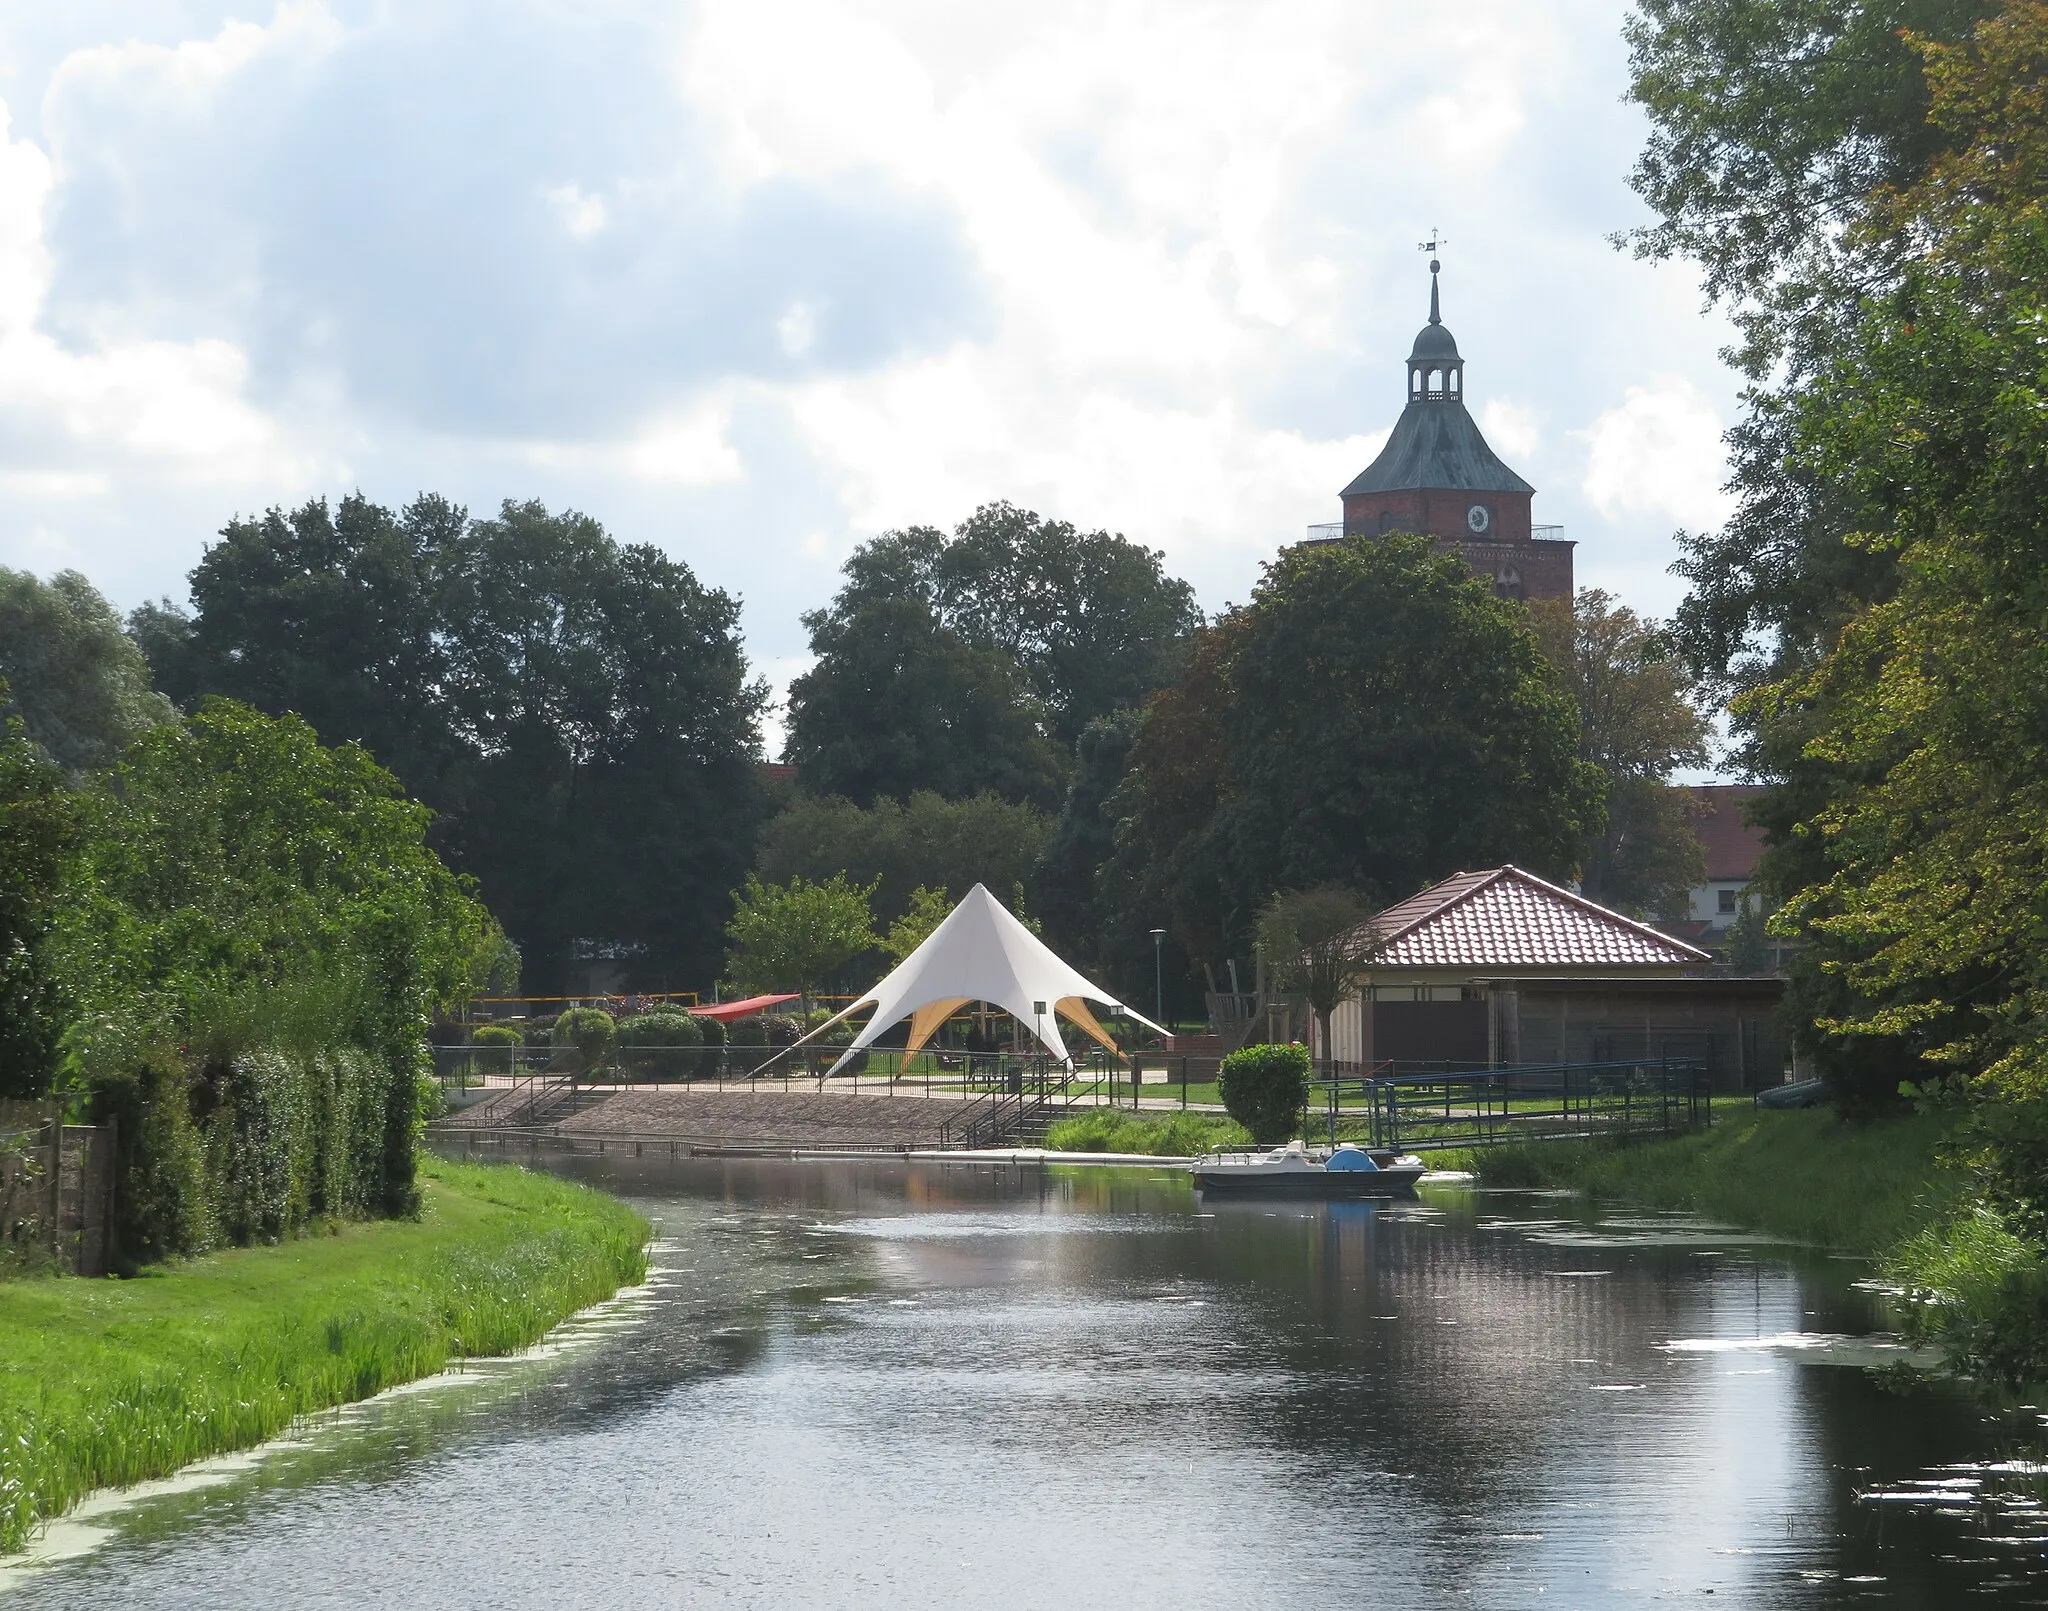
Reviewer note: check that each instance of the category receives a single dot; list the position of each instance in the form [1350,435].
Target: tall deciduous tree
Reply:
[40,835]
[577,712]
[1772,123]
[1638,723]
[896,846]
[78,683]
[1311,941]
[1012,630]
[1084,910]
[899,703]
[928,909]
[1375,718]
[798,933]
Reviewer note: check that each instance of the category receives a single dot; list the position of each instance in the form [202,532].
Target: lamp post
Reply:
[1158,975]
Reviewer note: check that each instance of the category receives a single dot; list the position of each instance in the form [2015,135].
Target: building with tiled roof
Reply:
[1511,919]
[1734,847]
[1497,968]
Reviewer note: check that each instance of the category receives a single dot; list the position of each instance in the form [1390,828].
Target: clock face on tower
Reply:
[1478,519]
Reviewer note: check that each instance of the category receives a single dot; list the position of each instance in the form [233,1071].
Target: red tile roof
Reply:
[1733,846]
[1507,918]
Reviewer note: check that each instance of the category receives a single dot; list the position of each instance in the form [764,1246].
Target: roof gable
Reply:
[1508,918]
[1436,446]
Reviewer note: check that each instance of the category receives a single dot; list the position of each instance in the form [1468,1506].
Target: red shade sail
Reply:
[726,1011]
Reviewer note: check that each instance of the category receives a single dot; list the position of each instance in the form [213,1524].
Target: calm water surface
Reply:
[891,1385]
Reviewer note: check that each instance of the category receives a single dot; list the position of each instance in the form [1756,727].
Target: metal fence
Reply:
[1532,1102]
[56,1191]
[989,1096]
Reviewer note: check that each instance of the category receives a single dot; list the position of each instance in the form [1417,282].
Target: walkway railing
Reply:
[1530,1102]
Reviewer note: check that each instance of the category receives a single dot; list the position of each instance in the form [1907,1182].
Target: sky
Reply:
[753,280]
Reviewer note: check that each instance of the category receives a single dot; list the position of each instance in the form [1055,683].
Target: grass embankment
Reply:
[1860,1188]
[106,1383]
[1176,1135]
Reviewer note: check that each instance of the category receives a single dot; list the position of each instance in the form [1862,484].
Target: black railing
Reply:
[996,1094]
[1531,1102]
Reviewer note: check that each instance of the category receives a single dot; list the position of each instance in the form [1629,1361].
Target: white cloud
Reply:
[581,216]
[1514,429]
[763,277]
[797,329]
[177,404]
[1660,452]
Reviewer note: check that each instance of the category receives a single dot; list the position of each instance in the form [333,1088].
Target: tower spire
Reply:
[1436,239]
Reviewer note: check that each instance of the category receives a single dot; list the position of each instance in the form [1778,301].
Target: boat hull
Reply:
[1310,1185]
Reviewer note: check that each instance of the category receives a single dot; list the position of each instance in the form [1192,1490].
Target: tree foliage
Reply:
[40,834]
[76,680]
[1374,718]
[577,712]
[1638,723]
[1312,943]
[899,703]
[928,909]
[1910,740]
[1086,909]
[977,660]
[896,846]
[794,935]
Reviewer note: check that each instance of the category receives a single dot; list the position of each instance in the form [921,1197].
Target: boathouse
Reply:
[1499,968]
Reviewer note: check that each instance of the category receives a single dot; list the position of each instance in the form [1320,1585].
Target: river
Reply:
[950,1384]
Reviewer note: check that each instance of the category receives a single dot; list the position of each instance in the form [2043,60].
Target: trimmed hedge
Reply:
[673,1041]
[254,1148]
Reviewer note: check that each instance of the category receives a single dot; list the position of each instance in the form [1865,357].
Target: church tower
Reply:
[1437,476]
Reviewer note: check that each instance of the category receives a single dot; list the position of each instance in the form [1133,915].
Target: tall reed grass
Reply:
[107,1383]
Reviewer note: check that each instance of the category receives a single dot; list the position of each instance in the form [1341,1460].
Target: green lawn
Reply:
[1861,1188]
[105,1383]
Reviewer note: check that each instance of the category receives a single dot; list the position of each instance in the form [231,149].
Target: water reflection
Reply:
[935,1384]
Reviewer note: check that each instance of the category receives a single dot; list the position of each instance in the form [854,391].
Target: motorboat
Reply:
[1295,1170]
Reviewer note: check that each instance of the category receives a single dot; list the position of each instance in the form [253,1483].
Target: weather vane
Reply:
[1436,238]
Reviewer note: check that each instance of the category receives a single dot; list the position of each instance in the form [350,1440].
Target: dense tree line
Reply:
[578,713]
[1865,184]
[228,936]
[1018,703]
[971,663]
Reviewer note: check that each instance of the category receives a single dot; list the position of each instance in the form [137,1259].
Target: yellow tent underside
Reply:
[925,1022]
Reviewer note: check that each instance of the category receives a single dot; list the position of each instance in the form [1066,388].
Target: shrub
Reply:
[664,1045]
[748,1038]
[495,1035]
[711,1060]
[1263,1088]
[780,1029]
[590,1030]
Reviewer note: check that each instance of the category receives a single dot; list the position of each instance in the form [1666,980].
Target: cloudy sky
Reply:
[754,279]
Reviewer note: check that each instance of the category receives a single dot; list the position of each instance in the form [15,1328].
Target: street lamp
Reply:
[1158,975]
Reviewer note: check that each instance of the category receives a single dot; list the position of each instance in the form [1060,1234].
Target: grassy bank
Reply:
[106,1383]
[1859,1188]
[1174,1135]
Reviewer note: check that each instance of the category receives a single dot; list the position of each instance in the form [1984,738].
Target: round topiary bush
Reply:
[591,1030]
[495,1035]
[1263,1088]
[660,1045]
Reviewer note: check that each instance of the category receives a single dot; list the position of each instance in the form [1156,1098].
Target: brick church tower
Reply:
[1437,476]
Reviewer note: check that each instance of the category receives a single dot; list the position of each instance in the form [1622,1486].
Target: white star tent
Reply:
[982,953]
